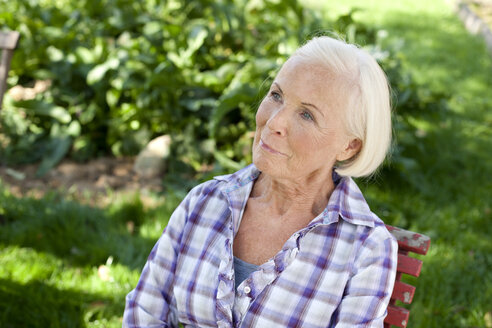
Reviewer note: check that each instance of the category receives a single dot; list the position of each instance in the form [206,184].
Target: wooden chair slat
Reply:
[9,40]
[403,292]
[409,265]
[410,241]
[397,316]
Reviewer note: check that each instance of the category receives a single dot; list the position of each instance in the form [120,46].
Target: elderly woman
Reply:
[288,241]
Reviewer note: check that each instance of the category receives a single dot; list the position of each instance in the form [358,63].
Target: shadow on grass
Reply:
[39,305]
[79,234]
[442,53]
[450,148]
[450,154]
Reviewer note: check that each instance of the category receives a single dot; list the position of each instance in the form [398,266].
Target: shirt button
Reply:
[247,290]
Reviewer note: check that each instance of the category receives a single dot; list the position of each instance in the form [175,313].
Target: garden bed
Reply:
[95,181]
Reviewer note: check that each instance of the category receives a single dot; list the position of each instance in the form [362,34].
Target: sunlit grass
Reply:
[71,265]
[449,197]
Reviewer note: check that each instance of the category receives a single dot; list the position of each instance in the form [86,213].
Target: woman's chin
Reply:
[268,165]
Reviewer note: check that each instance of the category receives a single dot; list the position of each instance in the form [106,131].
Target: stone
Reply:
[151,162]
[19,93]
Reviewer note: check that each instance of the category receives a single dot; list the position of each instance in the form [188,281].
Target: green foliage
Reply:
[125,71]
[195,70]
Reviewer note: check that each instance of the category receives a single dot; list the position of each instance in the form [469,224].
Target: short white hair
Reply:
[368,116]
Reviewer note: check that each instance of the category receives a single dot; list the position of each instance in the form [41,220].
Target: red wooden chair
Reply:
[408,241]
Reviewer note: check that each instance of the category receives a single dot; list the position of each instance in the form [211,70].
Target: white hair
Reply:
[368,116]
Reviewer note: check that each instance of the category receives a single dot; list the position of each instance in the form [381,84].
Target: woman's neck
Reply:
[284,197]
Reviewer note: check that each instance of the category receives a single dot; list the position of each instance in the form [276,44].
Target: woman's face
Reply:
[300,132]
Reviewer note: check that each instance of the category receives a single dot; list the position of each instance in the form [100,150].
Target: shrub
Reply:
[123,72]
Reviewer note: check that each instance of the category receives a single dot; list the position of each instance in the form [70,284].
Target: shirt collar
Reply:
[346,201]
[239,179]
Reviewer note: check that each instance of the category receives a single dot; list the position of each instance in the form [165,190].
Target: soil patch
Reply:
[95,182]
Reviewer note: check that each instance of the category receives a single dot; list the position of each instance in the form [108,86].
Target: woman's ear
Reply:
[353,147]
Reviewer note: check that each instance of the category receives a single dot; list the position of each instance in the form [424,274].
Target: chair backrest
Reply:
[8,43]
[408,241]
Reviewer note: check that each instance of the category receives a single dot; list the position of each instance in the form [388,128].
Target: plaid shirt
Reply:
[338,271]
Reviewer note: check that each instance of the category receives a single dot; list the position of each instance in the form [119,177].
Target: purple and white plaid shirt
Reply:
[338,271]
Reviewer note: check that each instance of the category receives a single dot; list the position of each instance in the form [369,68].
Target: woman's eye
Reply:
[276,96]
[307,116]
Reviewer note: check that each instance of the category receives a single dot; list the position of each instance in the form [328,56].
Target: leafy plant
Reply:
[123,72]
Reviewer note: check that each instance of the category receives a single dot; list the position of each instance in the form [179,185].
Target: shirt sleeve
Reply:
[368,292]
[150,303]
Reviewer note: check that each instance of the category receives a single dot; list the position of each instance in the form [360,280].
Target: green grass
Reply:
[51,249]
[50,252]
[449,196]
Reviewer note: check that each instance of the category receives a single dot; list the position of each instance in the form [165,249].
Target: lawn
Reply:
[66,264]
[449,197]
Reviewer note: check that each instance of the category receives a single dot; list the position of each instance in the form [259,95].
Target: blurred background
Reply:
[116,108]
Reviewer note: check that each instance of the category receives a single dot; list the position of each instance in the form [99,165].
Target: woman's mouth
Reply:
[269,149]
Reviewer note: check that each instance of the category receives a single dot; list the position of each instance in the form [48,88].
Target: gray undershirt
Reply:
[242,270]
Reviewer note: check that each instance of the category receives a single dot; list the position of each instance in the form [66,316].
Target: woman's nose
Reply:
[277,123]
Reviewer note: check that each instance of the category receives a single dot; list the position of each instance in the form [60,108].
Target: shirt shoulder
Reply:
[223,183]
[239,178]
